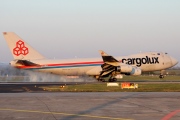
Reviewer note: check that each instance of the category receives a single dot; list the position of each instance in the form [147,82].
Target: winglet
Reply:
[106,57]
[103,53]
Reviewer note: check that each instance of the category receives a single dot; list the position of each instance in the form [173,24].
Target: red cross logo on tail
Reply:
[20,48]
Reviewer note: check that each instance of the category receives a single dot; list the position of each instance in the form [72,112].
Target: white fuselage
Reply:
[150,61]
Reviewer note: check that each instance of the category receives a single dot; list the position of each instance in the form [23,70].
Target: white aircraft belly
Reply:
[68,71]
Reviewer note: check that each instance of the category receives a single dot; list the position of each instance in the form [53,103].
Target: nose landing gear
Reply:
[161,76]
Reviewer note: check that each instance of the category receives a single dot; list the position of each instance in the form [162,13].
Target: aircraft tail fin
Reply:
[20,49]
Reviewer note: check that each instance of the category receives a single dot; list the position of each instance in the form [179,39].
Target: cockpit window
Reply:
[158,54]
[166,53]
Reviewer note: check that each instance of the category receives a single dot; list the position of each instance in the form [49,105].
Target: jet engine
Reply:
[135,71]
[126,68]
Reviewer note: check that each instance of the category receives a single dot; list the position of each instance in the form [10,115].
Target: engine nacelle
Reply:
[135,71]
[126,68]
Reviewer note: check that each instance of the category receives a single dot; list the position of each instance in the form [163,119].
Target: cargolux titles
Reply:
[140,61]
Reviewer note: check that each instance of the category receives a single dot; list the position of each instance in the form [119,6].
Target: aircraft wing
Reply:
[112,67]
[110,64]
[108,59]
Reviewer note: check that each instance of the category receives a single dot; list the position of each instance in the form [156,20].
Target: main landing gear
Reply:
[101,79]
[111,79]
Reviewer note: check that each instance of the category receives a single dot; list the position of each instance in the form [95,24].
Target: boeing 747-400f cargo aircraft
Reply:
[25,57]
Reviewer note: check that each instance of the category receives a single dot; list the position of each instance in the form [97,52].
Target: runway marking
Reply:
[170,115]
[59,113]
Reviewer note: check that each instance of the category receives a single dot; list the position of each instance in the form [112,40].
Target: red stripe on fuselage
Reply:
[79,63]
[62,64]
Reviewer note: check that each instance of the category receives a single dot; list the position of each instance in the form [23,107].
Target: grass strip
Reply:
[142,87]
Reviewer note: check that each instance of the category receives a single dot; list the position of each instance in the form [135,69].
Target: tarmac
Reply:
[19,87]
[19,104]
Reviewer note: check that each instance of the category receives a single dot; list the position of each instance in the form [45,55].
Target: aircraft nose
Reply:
[174,61]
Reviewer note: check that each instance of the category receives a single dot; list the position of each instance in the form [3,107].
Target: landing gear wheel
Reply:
[112,80]
[161,76]
[102,80]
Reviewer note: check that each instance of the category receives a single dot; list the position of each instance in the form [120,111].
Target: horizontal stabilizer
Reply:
[26,63]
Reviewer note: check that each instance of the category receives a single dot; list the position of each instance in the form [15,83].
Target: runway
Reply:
[90,105]
[18,87]
[72,106]
[24,101]
[36,87]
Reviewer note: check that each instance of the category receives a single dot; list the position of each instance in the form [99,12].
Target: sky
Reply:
[79,28]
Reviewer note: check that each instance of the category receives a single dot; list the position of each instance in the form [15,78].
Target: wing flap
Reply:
[110,64]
